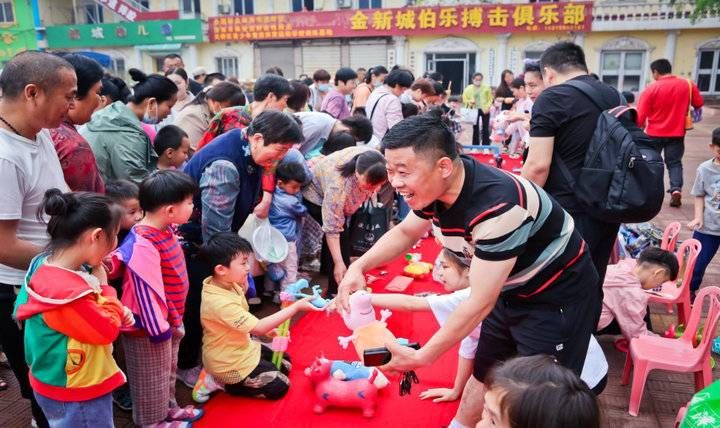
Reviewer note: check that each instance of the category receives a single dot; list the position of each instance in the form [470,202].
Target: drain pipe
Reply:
[39,29]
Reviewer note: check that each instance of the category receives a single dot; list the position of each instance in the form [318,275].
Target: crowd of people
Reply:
[123,270]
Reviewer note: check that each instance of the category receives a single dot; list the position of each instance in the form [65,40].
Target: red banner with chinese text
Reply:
[490,18]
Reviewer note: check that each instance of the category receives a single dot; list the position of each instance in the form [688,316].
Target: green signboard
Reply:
[125,34]
[18,36]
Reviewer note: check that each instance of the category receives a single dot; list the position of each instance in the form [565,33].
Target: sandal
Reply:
[3,384]
[187,414]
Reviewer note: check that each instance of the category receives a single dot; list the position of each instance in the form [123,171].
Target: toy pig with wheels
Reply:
[334,392]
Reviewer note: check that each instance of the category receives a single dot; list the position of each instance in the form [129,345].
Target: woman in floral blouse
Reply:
[342,182]
[76,156]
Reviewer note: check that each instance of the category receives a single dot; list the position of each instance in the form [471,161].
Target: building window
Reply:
[117,67]
[369,4]
[190,7]
[227,65]
[533,54]
[301,5]
[622,69]
[93,14]
[6,12]
[708,71]
[145,3]
[244,7]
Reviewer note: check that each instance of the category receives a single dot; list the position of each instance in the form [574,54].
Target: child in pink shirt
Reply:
[625,297]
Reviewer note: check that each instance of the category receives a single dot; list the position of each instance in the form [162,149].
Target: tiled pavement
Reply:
[665,392]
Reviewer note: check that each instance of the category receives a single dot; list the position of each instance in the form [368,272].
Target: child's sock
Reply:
[455,424]
[205,386]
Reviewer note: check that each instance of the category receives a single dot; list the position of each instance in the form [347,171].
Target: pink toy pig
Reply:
[334,392]
[362,312]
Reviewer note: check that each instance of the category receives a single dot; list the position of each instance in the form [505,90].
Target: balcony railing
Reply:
[626,15]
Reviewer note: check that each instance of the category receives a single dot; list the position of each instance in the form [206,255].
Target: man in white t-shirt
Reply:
[38,90]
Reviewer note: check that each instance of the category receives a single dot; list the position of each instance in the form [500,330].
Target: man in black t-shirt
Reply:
[562,125]
[532,280]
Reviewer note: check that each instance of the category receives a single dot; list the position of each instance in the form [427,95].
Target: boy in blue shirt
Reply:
[286,213]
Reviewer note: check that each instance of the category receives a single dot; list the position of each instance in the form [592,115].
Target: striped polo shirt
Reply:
[498,216]
[172,265]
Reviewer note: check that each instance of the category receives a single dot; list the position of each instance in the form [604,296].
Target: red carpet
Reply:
[316,334]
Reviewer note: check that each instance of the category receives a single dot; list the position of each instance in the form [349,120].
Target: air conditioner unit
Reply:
[224,9]
[344,4]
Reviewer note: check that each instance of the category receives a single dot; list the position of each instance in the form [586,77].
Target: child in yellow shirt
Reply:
[232,360]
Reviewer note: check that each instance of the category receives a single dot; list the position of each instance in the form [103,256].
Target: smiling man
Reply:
[532,280]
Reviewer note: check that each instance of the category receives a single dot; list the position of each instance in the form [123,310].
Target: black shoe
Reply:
[121,398]
[675,199]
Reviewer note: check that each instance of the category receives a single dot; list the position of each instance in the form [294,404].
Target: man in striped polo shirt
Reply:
[533,284]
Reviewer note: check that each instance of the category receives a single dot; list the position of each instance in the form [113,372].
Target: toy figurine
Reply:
[416,268]
[330,391]
[294,292]
[368,332]
[347,371]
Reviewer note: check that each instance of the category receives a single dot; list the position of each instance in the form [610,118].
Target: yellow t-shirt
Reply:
[228,352]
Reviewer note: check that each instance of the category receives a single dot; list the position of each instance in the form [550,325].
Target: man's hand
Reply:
[353,280]
[404,358]
[440,395]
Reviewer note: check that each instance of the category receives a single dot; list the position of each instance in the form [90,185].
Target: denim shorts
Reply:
[95,413]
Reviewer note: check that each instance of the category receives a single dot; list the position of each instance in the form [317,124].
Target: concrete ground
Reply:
[665,392]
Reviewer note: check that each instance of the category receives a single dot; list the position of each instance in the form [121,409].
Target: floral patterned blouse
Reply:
[76,159]
[338,196]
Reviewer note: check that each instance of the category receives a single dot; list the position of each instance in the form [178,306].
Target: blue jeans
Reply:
[673,149]
[96,413]
[710,244]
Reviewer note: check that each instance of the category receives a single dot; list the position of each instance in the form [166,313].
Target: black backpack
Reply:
[621,180]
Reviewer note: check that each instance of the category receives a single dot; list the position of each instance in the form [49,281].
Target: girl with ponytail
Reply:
[71,315]
[122,148]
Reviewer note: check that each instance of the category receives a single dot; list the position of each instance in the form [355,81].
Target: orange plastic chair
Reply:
[680,355]
[670,236]
[678,292]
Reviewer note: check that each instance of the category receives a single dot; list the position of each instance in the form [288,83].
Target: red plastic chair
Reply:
[680,355]
[670,236]
[681,415]
[669,242]
[678,292]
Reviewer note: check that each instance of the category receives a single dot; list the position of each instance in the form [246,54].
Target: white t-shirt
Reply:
[27,169]
[442,306]
[316,129]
